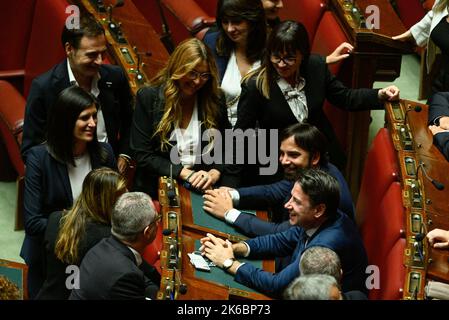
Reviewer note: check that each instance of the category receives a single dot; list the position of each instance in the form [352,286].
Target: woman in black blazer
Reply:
[175,121]
[291,87]
[70,234]
[55,171]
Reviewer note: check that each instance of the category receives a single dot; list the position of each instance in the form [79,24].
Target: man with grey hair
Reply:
[313,287]
[320,260]
[114,268]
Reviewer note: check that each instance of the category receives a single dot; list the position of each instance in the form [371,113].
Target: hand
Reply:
[436,129]
[216,249]
[341,52]
[438,238]
[122,164]
[226,189]
[390,93]
[404,36]
[444,122]
[217,202]
[203,180]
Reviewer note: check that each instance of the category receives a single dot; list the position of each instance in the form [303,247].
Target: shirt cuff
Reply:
[248,250]
[124,156]
[241,264]
[231,215]
[235,196]
[436,121]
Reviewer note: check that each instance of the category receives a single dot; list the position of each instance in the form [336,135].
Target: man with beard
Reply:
[302,146]
[85,48]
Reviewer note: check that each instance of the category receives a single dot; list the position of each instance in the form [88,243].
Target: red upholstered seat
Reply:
[329,36]
[381,170]
[209,6]
[384,225]
[184,17]
[392,274]
[410,11]
[308,12]
[12,111]
[16,18]
[45,48]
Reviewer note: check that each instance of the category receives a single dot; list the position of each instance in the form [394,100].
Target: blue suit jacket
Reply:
[47,189]
[115,100]
[338,234]
[210,39]
[277,194]
[439,107]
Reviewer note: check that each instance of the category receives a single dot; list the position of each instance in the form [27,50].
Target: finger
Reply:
[441,245]
[213,239]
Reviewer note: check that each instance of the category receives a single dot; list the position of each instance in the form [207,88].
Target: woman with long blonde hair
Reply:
[70,234]
[173,122]
[433,31]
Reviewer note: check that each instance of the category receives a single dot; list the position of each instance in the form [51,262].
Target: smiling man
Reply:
[85,49]
[313,207]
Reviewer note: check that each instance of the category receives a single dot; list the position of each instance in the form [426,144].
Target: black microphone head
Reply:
[182,288]
[420,237]
[438,185]
[418,109]
[167,232]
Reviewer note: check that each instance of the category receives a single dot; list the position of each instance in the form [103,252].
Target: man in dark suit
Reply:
[114,268]
[85,48]
[313,207]
[302,146]
[439,121]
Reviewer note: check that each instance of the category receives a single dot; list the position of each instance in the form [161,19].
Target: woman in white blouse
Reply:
[433,31]
[55,170]
[175,120]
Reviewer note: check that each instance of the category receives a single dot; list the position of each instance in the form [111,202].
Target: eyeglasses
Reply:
[287,60]
[193,75]
[158,219]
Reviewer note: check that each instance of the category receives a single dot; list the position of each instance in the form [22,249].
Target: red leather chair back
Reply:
[410,12]
[392,275]
[16,18]
[209,6]
[381,170]
[150,11]
[45,48]
[183,17]
[384,226]
[12,112]
[308,12]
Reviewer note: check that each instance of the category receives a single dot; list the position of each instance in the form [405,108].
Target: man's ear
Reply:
[68,48]
[320,209]
[316,159]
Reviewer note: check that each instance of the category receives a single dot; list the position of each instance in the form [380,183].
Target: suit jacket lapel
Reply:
[61,170]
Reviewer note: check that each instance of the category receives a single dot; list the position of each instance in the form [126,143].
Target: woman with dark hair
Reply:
[70,234]
[55,170]
[291,87]
[238,22]
[175,121]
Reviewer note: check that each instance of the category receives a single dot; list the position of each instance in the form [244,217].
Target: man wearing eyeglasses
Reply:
[114,268]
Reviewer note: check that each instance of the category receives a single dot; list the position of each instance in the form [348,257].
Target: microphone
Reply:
[416,109]
[438,185]
[171,192]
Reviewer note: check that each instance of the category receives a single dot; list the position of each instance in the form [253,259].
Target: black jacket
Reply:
[439,107]
[152,162]
[115,100]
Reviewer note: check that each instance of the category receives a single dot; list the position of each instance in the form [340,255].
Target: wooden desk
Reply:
[414,145]
[182,238]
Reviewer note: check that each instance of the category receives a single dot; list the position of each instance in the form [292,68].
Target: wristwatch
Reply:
[228,263]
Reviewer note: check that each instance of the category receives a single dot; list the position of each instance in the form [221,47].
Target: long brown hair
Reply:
[443,4]
[187,55]
[101,188]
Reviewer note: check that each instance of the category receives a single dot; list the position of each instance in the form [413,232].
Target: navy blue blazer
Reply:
[275,195]
[439,107]
[115,100]
[210,39]
[109,272]
[47,189]
[338,234]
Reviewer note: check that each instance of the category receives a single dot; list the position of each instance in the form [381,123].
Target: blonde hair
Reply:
[443,4]
[101,188]
[187,55]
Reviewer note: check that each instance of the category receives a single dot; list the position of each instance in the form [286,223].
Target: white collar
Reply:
[136,255]
[94,86]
